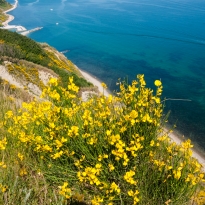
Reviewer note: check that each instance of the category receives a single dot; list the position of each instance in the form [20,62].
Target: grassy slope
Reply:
[33,186]
[25,63]
[15,48]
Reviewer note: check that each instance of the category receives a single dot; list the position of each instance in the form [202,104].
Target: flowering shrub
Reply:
[107,150]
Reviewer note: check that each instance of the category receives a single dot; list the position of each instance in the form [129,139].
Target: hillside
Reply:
[28,64]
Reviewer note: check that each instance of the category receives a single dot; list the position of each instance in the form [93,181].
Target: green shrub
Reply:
[108,150]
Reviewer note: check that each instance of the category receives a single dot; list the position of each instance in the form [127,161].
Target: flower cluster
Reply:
[3,143]
[3,188]
[26,74]
[65,191]
[111,149]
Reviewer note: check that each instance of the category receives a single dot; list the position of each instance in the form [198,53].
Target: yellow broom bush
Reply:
[107,150]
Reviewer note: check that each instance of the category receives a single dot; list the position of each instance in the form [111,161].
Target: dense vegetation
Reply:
[18,46]
[15,47]
[3,3]
[104,151]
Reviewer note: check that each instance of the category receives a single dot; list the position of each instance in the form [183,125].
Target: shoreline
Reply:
[10,17]
[20,29]
[176,137]
[96,82]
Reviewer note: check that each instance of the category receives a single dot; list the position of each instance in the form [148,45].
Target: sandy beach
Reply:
[10,17]
[19,29]
[95,82]
[173,136]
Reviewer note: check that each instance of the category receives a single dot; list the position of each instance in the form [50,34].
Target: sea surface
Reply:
[112,39]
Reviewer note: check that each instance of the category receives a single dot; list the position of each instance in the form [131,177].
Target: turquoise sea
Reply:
[111,39]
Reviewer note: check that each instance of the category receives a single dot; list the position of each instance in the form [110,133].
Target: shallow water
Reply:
[111,39]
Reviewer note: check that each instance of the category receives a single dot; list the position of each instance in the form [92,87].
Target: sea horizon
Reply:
[120,39]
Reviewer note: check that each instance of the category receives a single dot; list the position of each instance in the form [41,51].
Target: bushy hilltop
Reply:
[30,64]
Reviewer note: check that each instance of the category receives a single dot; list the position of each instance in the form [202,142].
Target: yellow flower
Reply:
[177,173]
[3,165]
[104,85]
[157,82]
[53,81]
[97,200]
[3,188]
[114,138]
[129,177]
[98,166]
[59,144]
[130,193]
[108,132]
[65,191]
[73,131]
[46,148]
[111,167]
[100,157]
[20,156]
[114,187]
[51,125]
[23,172]
[134,195]
[9,114]
[3,144]
[152,143]
[57,155]
[133,114]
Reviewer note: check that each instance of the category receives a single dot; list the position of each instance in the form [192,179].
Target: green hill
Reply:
[16,48]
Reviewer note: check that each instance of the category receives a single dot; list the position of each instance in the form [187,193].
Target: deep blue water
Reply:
[111,39]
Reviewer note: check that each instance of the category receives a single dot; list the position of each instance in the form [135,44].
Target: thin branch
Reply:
[176,99]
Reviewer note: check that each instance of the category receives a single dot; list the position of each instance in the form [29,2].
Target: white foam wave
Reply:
[35,2]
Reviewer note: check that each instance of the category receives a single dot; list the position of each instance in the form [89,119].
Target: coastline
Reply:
[96,82]
[178,138]
[175,137]
[22,30]
[10,17]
